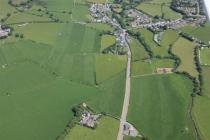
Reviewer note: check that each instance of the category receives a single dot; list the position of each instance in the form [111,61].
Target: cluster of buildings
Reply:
[4,32]
[98,11]
[139,18]
[89,120]
[129,130]
[187,7]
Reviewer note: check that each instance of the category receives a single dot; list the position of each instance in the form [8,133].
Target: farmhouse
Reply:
[4,32]
[89,119]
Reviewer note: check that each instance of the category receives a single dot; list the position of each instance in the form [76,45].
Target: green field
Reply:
[158,109]
[159,8]
[43,78]
[204,56]
[202,105]
[168,38]
[107,41]
[202,115]
[107,129]
[5,9]
[202,33]
[141,68]
[137,50]
[184,50]
[100,26]
[108,66]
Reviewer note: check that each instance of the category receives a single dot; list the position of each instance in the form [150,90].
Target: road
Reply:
[126,98]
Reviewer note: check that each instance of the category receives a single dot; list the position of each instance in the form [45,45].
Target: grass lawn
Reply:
[107,41]
[138,51]
[205,56]
[184,49]
[158,108]
[108,66]
[102,132]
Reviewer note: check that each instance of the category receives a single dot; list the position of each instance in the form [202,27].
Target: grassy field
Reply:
[202,104]
[5,9]
[168,38]
[108,66]
[43,78]
[21,18]
[151,9]
[138,51]
[158,108]
[159,8]
[202,115]
[201,33]
[107,41]
[100,26]
[140,68]
[102,132]
[204,56]
[184,49]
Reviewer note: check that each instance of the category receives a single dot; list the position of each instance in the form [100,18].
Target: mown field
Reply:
[158,109]
[107,129]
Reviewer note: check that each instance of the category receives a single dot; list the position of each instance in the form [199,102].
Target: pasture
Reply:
[5,9]
[202,33]
[140,68]
[169,37]
[100,26]
[108,66]
[107,41]
[159,109]
[201,114]
[204,56]
[184,50]
[43,78]
[102,132]
[160,9]
[137,50]
[21,18]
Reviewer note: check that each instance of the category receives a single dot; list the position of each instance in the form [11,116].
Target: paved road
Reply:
[126,98]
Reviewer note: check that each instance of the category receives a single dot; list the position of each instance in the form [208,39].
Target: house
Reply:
[4,32]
